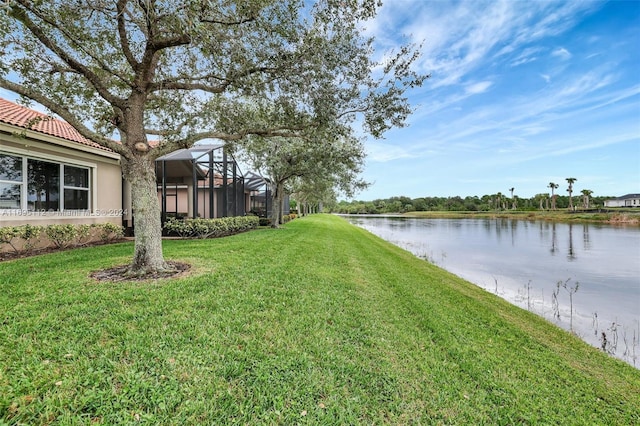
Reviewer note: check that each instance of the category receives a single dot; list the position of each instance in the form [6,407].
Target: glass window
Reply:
[46,182]
[76,177]
[76,199]
[10,168]
[10,195]
[43,185]
[76,188]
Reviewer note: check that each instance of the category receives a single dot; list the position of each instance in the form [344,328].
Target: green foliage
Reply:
[264,221]
[30,235]
[485,203]
[61,235]
[211,228]
[110,231]
[351,330]
[27,237]
[7,234]
[83,233]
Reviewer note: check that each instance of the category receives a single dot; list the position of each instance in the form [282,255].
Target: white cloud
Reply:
[383,152]
[562,53]
[477,88]
[527,55]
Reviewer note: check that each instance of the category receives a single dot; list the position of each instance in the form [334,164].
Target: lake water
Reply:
[523,262]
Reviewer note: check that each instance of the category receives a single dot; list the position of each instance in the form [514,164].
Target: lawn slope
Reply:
[316,323]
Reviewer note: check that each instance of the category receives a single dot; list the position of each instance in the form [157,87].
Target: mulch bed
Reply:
[10,255]
[120,273]
[115,274]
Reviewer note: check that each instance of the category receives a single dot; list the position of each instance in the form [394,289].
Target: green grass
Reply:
[316,323]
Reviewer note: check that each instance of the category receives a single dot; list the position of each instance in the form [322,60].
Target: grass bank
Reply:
[621,217]
[317,323]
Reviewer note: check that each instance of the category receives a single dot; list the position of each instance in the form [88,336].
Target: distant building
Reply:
[629,200]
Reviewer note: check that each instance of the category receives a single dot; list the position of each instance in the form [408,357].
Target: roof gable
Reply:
[20,116]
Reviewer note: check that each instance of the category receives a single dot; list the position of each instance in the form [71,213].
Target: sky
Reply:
[522,93]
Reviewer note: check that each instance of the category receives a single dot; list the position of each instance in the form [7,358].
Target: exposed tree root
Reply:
[125,273]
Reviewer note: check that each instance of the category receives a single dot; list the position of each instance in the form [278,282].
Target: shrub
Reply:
[83,234]
[7,234]
[179,227]
[110,232]
[211,228]
[264,221]
[30,234]
[61,235]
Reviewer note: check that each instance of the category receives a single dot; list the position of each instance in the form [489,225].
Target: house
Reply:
[205,181]
[50,174]
[629,200]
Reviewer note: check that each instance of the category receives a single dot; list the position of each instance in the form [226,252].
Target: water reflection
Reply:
[527,263]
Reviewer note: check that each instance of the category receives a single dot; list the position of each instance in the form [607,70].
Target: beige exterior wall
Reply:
[182,198]
[105,181]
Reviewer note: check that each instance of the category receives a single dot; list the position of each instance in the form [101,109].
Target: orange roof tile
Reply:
[17,115]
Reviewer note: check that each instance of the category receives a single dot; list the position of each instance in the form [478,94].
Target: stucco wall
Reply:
[105,179]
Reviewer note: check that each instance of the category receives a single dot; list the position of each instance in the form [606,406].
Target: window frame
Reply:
[23,171]
[61,162]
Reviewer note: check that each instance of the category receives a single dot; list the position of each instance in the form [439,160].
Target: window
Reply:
[43,186]
[76,188]
[10,181]
[40,185]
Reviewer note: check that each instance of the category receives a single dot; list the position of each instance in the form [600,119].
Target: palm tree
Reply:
[586,193]
[553,196]
[513,202]
[498,198]
[570,191]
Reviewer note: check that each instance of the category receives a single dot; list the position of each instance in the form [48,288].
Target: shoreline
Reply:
[611,218]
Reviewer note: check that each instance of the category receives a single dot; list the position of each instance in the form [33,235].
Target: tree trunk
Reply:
[276,208]
[140,173]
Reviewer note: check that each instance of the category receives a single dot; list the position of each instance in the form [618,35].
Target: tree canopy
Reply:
[123,72]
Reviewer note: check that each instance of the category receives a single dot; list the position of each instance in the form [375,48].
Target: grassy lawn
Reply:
[316,323]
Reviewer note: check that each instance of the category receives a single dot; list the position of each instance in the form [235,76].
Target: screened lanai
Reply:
[204,181]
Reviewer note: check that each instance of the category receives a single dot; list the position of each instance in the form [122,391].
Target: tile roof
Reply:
[17,115]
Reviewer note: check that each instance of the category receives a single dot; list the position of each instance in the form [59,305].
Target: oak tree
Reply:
[124,72]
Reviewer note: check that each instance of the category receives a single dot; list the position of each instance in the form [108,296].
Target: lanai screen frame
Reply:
[202,162]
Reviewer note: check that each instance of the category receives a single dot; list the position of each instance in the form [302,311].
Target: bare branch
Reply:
[95,81]
[174,84]
[66,115]
[122,32]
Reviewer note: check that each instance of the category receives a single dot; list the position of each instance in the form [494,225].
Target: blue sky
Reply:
[522,93]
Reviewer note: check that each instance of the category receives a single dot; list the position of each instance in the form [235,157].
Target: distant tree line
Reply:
[493,202]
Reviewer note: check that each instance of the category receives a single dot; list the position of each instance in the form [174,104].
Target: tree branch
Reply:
[95,81]
[187,85]
[65,115]
[122,32]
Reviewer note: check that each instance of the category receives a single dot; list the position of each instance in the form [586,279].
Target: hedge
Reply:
[210,228]
[29,237]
